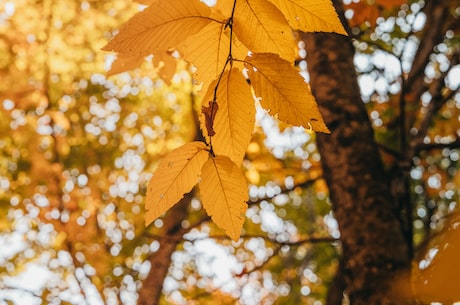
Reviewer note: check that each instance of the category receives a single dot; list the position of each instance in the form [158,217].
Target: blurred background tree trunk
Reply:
[152,286]
[374,248]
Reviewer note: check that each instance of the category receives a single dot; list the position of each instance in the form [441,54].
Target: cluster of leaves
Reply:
[231,44]
[76,150]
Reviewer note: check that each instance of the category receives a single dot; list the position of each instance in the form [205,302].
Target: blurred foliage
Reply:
[390,37]
[77,148]
[385,50]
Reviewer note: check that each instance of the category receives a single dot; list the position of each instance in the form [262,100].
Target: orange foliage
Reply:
[200,32]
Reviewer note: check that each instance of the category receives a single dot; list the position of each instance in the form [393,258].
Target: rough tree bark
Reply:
[375,253]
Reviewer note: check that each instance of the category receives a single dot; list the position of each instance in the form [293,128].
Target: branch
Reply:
[436,16]
[307,240]
[259,267]
[390,151]
[431,146]
[21,289]
[77,264]
[414,85]
[285,190]
[436,103]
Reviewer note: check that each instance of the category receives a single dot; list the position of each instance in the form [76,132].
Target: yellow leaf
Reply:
[224,7]
[208,51]
[262,28]
[161,26]
[167,65]
[283,91]
[163,61]
[125,63]
[234,120]
[224,194]
[311,15]
[176,175]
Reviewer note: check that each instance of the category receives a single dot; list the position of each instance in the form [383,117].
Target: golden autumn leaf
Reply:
[224,8]
[217,41]
[163,61]
[125,63]
[262,28]
[283,91]
[166,64]
[161,26]
[224,194]
[310,16]
[176,175]
[234,122]
[208,51]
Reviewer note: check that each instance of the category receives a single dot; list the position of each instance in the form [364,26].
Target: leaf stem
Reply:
[229,60]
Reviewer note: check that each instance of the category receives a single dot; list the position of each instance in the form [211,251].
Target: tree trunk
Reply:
[375,253]
[152,286]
